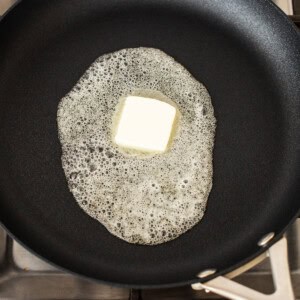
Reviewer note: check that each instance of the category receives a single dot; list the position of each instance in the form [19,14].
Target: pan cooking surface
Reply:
[250,67]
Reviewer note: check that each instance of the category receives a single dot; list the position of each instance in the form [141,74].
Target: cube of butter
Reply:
[145,124]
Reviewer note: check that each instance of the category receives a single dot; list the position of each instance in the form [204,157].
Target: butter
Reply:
[145,124]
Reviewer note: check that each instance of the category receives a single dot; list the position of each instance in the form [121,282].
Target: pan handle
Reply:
[278,255]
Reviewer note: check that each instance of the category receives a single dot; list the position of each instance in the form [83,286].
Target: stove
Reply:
[25,276]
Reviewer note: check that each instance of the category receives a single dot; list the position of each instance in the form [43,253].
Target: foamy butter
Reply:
[142,197]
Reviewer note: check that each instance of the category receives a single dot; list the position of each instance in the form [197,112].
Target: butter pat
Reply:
[145,124]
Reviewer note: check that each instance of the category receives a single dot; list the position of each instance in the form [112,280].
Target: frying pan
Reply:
[247,54]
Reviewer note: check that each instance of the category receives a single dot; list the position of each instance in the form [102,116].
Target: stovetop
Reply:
[24,276]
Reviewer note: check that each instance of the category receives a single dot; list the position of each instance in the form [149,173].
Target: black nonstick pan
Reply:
[247,54]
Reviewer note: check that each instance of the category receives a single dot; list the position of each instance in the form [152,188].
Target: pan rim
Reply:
[239,264]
